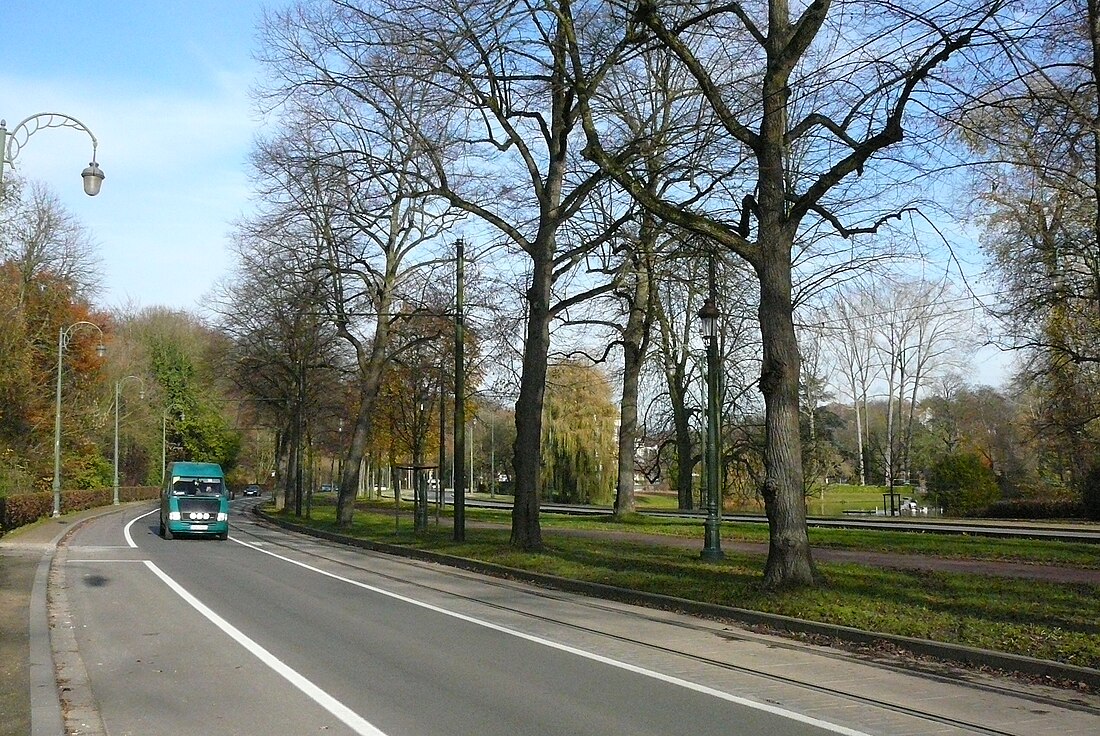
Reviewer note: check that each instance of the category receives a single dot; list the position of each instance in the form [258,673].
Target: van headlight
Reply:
[173,516]
[222,516]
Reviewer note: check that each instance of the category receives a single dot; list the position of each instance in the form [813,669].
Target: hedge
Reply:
[25,508]
[1035,508]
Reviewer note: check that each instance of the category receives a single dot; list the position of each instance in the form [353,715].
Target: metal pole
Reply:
[57,429]
[3,153]
[460,399]
[115,494]
[712,547]
[442,449]
[492,457]
[163,440]
[298,441]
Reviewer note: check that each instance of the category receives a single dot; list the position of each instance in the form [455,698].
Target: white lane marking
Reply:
[126,529]
[326,701]
[783,712]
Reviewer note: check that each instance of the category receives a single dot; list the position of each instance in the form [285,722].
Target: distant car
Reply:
[329,488]
[253,490]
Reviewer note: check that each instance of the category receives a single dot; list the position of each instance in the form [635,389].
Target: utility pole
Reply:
[298,439]
[439,491]
[460,396]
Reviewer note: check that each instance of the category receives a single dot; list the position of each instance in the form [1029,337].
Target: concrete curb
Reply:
[1012,663]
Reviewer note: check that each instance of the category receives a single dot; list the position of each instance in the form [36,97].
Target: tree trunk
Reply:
[890,428]
[635,343]
[685,459]
[789,560]
[859,440]
[279,483]
[628,430]
[371,367]
[527,450]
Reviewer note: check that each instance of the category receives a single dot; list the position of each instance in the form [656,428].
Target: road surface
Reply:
[272,633]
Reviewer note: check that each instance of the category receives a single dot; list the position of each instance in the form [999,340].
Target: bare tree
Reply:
[852,342]
[922,330]
[496,125]
[349,167]
[285,358]
[41,238]
[797,87]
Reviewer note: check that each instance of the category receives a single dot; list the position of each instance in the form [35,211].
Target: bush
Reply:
[962,485]
[26,508]
[1034,508]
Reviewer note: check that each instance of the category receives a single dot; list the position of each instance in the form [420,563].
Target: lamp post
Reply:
[12,142]
[492,456]
[708,317]
[118,393]
[64,334]
[460,396]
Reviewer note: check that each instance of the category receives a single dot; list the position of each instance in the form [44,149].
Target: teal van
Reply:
[194,500]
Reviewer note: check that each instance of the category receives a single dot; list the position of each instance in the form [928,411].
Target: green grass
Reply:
[832,500]
[1034,618]
[952,546]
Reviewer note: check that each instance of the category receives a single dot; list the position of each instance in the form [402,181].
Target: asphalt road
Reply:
[271,633]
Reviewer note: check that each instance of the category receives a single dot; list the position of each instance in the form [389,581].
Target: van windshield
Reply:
[197,487]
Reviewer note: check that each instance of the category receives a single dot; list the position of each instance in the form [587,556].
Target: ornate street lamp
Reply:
[63,336]
[118,391]
[708,318]
[12,142]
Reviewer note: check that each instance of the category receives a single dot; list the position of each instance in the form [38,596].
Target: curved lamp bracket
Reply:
[17,138]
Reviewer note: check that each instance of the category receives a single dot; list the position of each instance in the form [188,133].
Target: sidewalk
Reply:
[27,680]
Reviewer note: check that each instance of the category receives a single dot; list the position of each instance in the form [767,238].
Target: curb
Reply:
[1003,661]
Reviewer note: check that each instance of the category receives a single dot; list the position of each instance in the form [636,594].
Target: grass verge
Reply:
[951,546]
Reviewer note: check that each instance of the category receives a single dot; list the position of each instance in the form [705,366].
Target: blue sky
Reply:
[164,86]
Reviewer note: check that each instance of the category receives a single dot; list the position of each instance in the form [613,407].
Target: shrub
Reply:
[25,508]
[1035,508]
[961,484]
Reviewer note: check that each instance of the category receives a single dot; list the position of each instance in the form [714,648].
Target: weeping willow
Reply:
[579,459]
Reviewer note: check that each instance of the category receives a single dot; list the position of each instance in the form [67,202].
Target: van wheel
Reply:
[165,531]
[223,536]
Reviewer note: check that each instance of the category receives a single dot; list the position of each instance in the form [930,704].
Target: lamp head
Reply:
[101,350]
[708,318]
[93,179]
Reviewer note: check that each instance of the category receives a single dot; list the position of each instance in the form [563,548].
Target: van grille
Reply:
[209,505]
